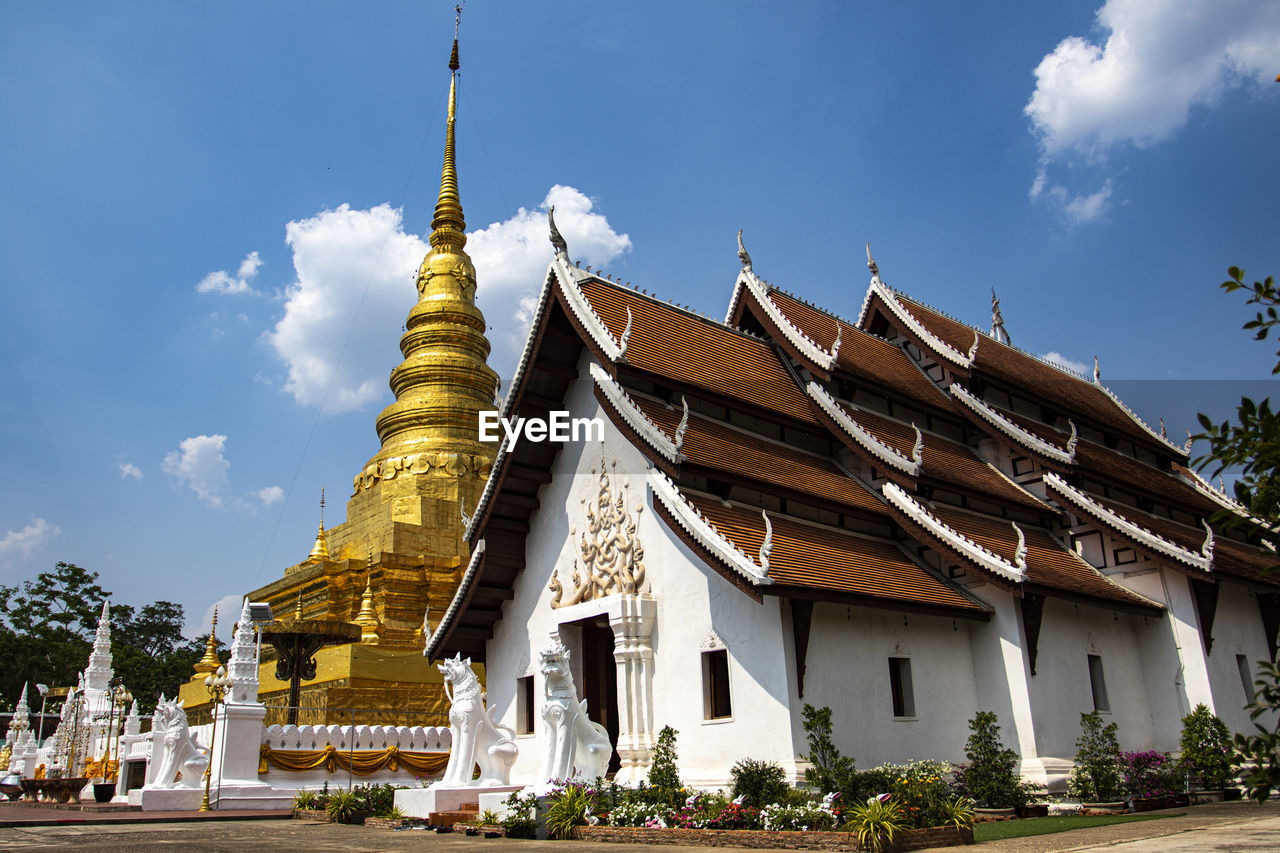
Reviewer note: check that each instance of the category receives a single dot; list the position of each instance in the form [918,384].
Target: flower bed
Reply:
[311,814]
[908,839]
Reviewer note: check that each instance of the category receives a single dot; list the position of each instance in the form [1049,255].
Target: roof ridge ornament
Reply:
[766,548]
[998,330]
[462,510]
[1097,373]
[742,254]
[1206,550]
[973,350]
[1164,433]
[683,426]
[871,265]
[917,452]
[557,241]
[1020,555]
[626,336]
[835,346]
[1073,440]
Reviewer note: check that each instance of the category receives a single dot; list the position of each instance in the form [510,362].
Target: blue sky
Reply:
[213,213]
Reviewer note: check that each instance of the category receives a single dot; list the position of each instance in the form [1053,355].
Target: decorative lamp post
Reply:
[217,685]
[120,699]
[44,697]
[296,642]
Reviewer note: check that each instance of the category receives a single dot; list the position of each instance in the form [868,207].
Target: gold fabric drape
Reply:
[362,762]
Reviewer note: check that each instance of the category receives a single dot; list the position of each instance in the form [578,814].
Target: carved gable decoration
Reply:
[610,557]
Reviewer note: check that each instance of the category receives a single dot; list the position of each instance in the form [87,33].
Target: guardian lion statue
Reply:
[179,751]
[476,738]
[576,747]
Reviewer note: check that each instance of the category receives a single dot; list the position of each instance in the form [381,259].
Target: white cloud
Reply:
[222,282]
[270,495]
[229,607]
[354,289]
[198,462]
[1077,367]
[23,543]
[511,257]
[1160,59]
[130,471]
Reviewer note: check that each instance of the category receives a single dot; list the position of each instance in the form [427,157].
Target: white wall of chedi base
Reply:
[692,603]
[847,669]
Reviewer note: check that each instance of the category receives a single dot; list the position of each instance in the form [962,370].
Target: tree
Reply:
[991,777]
[1252,443]
[47,627]
[830,771]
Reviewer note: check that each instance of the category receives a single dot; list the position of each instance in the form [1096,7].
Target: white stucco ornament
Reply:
[610,556]
[576,747]
[476,738]
[179,753]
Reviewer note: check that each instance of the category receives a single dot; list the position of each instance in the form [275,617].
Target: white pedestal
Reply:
[234,758]
[421,802]
[169,799]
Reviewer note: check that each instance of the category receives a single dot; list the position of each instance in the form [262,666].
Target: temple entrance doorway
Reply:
[600,680]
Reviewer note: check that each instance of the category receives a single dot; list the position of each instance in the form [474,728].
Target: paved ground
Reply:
[1233,827]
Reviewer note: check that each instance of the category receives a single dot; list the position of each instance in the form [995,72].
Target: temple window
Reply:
[904,700]
[525,705]
[1246,677]
[716,702]
[1098,682]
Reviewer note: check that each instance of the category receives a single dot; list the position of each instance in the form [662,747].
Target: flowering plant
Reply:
[735,816]
[1149,774]
[808,817]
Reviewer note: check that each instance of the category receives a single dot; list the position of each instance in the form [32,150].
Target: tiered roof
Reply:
[767,462]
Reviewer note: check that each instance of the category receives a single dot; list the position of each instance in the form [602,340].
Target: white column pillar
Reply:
[632,622]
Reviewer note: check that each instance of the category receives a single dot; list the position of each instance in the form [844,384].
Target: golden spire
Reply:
[448,227]
[320,551]
[443,382]
[210,661]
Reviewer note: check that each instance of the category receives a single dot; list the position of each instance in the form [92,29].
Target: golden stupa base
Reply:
[386,687]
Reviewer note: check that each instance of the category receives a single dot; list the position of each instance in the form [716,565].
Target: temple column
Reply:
[631,617]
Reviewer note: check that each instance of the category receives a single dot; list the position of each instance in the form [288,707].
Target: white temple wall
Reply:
[1237,630]
[696,609]
[847,669]
[1061,690]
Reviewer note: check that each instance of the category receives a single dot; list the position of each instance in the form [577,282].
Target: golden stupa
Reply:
[392,567]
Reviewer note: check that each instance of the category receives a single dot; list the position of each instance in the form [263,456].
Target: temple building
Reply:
[896,515]
[393,565]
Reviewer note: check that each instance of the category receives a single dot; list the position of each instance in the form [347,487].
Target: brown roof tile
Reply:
[1033,377]
[824,558]
[946,460]
[1049,564]
[693,350]
[861,354]
[711,444]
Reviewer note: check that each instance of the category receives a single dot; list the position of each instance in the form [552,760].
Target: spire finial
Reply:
[448,227]
[871,264]
[210,662]
[557,241]
[742,253]
[998,330]
[320,550]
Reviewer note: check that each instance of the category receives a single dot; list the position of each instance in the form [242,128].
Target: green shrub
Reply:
[568,808]
[876,822]
[830,771]
[1096,776]
[305,799]
[991,777]
[806,817]
[920,790]
[663,772]
[759,783]
[377,800]
[959,812]
[520,821]
[1206,747]
[343,806]
[488,817]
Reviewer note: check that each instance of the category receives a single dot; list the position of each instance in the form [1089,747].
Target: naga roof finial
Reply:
[561,247]
[998,330]
[871,264]
[766,548]
[1097,372]
[742,253]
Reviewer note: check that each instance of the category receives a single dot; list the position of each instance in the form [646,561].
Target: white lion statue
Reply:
[179,751]
[576,747]
[476,738]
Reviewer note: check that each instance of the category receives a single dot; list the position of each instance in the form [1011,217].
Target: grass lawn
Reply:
[994,830]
